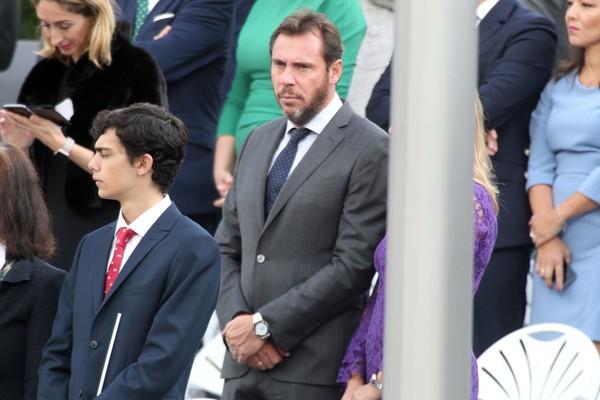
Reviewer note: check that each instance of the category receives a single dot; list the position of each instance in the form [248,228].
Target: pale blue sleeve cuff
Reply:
[590,187]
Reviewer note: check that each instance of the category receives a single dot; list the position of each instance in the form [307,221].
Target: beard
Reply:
[301,115]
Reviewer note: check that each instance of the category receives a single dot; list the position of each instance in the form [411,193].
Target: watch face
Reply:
[261,329]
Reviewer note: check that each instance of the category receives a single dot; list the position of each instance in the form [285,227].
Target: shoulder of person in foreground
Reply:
[47,273]
[191,240]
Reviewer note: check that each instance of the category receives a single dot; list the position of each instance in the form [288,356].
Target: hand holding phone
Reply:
[13,134]
[568,273]
[44,111]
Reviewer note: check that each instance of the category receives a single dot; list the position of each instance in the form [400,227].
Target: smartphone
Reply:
[569,275]
[44,111]
[20,109]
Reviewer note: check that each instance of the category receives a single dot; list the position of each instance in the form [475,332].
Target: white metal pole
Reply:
[429,261]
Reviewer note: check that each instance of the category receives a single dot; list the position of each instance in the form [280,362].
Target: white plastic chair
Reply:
[540,362]
[206,370]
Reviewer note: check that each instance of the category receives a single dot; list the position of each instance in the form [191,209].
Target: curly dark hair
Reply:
[24,221]
[144,128]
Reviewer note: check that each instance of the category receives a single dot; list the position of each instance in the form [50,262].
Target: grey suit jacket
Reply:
[307,266]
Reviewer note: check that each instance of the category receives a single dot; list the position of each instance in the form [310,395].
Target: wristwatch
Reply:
[261,327]
[66,148]
[378,385]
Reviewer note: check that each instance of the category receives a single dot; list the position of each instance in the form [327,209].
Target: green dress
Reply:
[251,101]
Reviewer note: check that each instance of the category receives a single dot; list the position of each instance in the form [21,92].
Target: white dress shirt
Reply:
[484,8]
[140,226]
[316,125]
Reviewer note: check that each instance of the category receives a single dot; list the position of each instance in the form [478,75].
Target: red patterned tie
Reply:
[123,236]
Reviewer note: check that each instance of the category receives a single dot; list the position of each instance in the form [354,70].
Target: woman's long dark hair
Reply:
[24,220]
[575,62]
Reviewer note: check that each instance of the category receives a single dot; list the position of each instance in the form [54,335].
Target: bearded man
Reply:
[307,207]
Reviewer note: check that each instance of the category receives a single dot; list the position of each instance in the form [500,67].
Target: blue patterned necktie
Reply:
[140,16]
[282,165]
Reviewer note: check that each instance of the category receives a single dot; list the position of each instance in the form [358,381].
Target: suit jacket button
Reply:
[525,174]
[526,151]
[93,345]
[260,258]
[80,393]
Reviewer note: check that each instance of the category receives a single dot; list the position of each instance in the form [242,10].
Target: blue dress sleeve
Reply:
[590,187]
[542,162]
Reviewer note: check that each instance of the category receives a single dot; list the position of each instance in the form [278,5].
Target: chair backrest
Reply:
[206,370]
[540,362]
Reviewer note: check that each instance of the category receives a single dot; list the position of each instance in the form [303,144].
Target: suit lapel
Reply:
[157,232]
[270,145]
[19,272]
[495,18]
[327,141]
[97,265]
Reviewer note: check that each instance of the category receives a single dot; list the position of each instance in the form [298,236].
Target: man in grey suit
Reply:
[300,225]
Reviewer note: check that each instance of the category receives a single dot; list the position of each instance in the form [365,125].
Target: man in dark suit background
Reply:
[148,280]
[379,106]
[516,53]
[9,29]
[299,227]
[555,11]
[190,41]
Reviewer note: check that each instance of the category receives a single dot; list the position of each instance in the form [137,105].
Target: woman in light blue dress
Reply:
[564,182]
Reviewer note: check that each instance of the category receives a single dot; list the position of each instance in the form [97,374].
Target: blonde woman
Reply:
[87,66]
[361,369]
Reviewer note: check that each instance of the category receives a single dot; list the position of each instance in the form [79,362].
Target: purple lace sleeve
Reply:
[365,351]
[354,361]
[485,229]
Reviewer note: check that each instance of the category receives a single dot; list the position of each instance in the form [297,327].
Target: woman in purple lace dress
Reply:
[361,368]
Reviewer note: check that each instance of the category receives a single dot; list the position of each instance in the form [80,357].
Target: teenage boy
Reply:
[141,290]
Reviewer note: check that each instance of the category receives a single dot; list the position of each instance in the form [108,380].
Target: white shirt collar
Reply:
[320,121]
[2,254]
[484,8]
[142,224]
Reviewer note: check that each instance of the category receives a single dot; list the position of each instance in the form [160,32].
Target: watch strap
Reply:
[67,147]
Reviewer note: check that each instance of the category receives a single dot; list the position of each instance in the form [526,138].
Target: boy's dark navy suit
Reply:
[166,293]
[516,54]
[192,58]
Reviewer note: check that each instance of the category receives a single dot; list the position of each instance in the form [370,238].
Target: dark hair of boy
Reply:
[144,128]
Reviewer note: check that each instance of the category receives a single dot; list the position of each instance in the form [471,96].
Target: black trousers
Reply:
[258,385]
[499,304]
